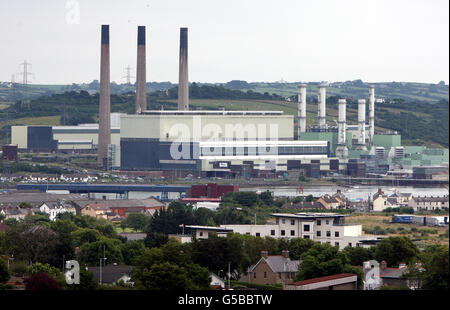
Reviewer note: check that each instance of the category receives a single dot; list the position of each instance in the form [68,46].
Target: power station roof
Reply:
[220,112]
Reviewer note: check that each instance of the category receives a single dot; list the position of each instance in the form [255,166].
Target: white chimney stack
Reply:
[362,124]
[341,150]
[322,106]
[371,113]
[301,109]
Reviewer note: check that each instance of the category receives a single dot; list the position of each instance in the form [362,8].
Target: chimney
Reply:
[285,253]
[341,150]
[104,123]
[141,78]
[183,80]
[322,122]
[371,113]
[383,265]
[264,254]
[301,109]
[361,124]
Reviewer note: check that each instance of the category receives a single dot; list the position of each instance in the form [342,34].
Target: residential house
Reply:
[97,210]
[428,203]
[395,277]
[342,281]
[382,201]
[273,269]
[401,199]
[14,212]
[112,274]
[53,209]
[340,197]
[330,202]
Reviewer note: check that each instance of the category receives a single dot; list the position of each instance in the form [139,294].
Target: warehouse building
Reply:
[220,143]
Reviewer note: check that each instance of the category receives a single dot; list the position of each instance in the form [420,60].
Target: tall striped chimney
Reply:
[104,115]
[341,149]
[141,79]
[301,109]
[371,113]
[183,81]
[322,106]
[361,124]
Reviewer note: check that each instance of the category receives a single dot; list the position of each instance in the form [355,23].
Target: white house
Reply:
[428,203]
[53,209]
[382,201]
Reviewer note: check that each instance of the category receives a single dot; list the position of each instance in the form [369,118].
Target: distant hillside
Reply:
[419,122]
[409,92]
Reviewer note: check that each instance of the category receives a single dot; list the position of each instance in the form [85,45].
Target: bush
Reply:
[19,268]
[41,282]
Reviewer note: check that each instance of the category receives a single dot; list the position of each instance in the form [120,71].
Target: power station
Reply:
[215,143]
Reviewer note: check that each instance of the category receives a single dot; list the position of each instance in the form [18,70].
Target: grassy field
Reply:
[372,223]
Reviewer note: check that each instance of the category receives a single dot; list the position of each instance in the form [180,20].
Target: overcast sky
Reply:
[253,40]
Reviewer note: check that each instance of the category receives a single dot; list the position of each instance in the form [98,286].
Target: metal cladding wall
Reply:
[41,138]
[148,154]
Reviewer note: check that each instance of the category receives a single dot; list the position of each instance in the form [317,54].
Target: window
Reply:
[282,233]
[336,234]
[265,274]
[305,227]
[306,236]
[254,275]
[258,235]
[328,233]
[283,221]
[350,244]
[319,233]
[292,232]
[336,243]
[319,222]
[292,222]
[201,234]
[279,275]
[272,232]
[327,222]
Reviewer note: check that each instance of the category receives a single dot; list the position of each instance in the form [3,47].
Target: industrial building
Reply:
[226,143]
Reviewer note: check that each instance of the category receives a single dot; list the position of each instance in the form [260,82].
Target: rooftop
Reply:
[323,279]
[309,215]
[219,112]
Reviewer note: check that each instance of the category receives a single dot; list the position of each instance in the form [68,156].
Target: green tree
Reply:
[130,250]
[325,260]
[90,253]
[4,272]
[266,197]
[87,282]
[164,276]
[436,265]
[358,255]
[136,221]
[85,235]
[395,250]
